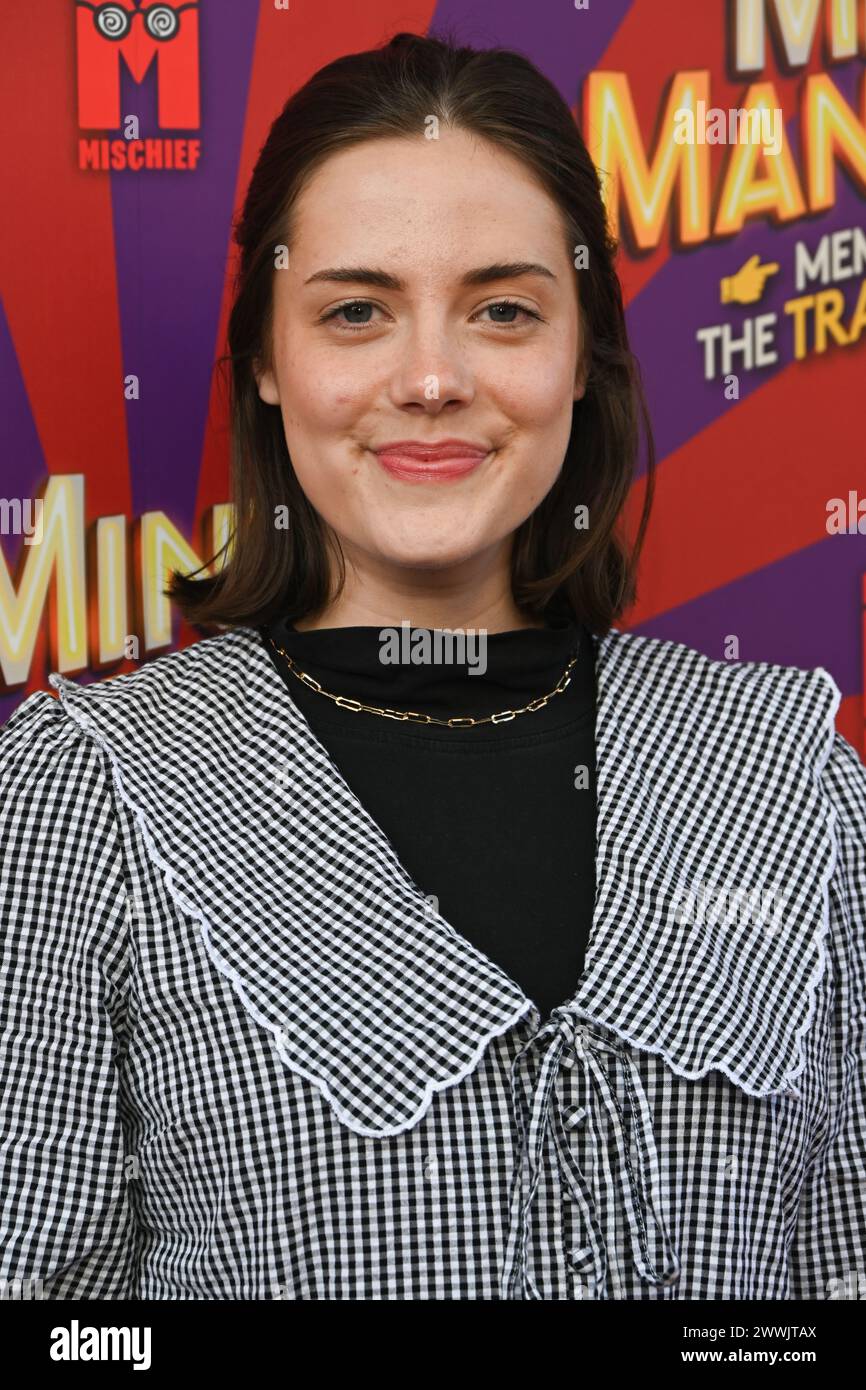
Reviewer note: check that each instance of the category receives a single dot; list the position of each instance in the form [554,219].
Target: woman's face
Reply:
[424,239]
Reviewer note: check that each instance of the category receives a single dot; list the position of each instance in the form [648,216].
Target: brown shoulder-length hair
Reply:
[588,574]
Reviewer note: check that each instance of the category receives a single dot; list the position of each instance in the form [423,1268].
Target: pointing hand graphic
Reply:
[747,285]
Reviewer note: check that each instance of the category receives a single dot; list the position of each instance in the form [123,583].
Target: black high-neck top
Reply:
[497,822]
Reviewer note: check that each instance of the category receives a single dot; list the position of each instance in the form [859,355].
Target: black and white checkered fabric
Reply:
[243,1057]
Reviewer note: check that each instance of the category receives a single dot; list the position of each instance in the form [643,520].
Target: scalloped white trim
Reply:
[429,1091]
[786,1089]
[63,685]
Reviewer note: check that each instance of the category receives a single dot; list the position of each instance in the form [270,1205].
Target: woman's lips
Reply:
[430,465]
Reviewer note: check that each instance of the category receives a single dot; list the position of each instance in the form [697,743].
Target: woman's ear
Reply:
[266,382]
[580,378]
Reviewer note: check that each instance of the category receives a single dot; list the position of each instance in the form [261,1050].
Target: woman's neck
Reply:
[503,616]
[474,596]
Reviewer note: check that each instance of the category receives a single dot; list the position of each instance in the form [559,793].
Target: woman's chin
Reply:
[428,558]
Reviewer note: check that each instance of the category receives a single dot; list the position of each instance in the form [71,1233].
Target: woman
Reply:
[341,962]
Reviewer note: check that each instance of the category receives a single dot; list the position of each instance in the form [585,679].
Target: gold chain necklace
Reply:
[464,721]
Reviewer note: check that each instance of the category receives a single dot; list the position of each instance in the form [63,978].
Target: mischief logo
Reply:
[157,37]
[140,34]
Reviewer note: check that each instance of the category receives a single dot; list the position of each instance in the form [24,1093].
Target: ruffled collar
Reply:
[708,773]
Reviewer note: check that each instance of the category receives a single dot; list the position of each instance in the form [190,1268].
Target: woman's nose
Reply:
[432,365]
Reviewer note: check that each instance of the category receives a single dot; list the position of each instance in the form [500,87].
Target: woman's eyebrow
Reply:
[383,280]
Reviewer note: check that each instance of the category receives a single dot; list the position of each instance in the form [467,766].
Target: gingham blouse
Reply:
[242,1058]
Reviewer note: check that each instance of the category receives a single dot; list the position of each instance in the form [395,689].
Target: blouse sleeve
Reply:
[828,1252]
[66,1227]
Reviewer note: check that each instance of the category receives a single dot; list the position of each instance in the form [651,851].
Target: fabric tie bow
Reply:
[567,1041]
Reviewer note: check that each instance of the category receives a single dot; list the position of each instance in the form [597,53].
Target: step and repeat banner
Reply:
[732,143]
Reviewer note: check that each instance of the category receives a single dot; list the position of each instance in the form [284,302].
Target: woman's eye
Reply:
[511,310]
[356,312]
